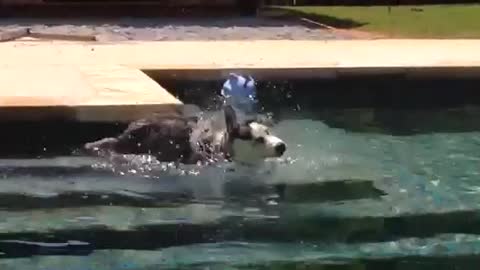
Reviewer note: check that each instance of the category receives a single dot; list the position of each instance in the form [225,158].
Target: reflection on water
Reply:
[353,196]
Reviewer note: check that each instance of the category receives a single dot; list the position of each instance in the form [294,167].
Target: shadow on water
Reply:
[48,142]
[387,104]
[337,231]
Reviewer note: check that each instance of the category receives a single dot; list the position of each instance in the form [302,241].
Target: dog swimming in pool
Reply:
[194,140]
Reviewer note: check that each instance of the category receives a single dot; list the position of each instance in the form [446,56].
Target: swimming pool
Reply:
[379,174]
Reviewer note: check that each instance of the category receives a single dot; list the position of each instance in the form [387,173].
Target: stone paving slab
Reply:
[340,55]
[87,92]
[110,72]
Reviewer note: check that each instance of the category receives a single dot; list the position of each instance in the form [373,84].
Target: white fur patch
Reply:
[251,150]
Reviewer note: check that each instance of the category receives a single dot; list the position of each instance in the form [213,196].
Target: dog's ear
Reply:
[231,120]
[234,129]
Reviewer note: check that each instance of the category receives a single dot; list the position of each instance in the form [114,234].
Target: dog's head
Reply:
[250,141]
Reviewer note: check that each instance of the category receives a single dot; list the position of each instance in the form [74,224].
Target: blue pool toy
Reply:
[240,92]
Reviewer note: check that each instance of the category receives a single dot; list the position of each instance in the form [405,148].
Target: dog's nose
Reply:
[280,149]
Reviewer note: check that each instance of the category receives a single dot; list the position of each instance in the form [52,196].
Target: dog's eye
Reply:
[260,140]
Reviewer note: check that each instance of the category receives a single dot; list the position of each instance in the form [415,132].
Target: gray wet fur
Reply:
[185,138]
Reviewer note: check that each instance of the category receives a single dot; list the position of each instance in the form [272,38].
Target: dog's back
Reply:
[165,136]
[188,136]
[187,139]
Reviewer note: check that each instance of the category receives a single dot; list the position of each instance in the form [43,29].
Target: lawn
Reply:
[428,21]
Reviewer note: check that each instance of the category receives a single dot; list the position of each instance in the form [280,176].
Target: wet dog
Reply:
[193,140]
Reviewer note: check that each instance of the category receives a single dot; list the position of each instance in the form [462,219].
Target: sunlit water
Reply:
[349,196]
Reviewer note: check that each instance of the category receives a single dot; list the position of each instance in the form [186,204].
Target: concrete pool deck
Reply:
[93,75]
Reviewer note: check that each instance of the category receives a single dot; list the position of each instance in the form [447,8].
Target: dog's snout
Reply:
[280,149]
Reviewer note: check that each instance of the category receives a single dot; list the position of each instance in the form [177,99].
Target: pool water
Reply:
[365,188]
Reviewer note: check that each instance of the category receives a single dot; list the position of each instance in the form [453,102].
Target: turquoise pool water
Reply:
[365,188]
[379,181]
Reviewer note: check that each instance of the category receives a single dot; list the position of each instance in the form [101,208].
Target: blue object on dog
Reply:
[240,92]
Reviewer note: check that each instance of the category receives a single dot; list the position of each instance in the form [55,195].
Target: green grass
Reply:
[433,21]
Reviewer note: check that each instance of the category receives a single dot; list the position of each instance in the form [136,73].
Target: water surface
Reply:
[365,188]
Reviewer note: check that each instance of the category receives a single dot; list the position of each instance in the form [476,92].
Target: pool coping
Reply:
[264,59]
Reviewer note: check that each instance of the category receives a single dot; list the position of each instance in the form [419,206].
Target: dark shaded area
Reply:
[359,229]
[283,230]
[16,201]
[328,191]
[321,18]
[393,104]
[127,9]
[51,138]
[440,262]
[19,249]
[146,237]
[347,92]
[109,8]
